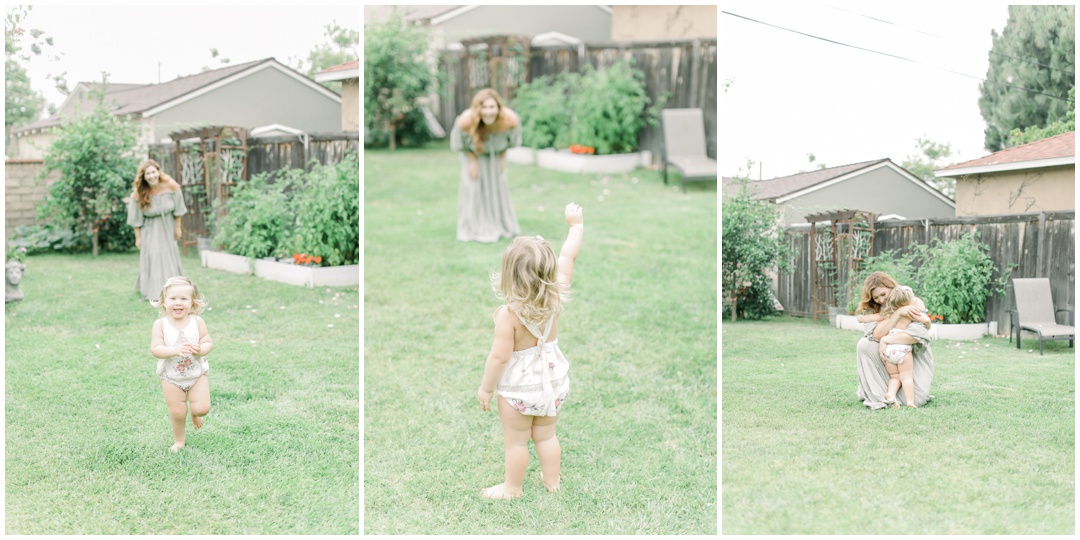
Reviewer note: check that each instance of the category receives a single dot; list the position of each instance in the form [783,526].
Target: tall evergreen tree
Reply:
[1032,69]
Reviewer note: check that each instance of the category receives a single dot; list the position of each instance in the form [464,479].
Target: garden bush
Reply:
[256,221]
[600,108]
[543,106]
[610,108]
[279,215]
[47,239]
[95,154]
[327,209]
[956,279]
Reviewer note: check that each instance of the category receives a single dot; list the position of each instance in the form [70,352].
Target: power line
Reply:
[893,56]
[1026,60]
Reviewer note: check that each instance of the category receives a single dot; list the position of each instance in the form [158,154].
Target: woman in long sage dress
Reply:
[482,134]
[155,211]
[873,379]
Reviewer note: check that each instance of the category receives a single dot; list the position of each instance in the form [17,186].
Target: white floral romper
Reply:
[536,381]
[182,371]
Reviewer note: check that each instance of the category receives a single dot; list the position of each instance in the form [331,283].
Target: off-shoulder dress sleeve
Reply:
[179,208]
[515,136]
[135,215]
[460,141]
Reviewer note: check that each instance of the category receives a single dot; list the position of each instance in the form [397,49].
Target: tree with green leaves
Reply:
[23,104]
[1035,133]
[932,156]
[1032,69]
[752,244]
[396,74]
[97,160]
[344,46]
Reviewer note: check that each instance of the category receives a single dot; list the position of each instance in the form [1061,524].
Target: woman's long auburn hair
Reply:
[529,280]
[873,281]
[142,187]
[475,126]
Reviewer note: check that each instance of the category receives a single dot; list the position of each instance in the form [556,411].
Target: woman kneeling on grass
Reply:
[531,372]
[181,342]
[870,357]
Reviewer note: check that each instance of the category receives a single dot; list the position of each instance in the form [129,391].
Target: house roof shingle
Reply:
[1058,146]
[136,98]
[786,185]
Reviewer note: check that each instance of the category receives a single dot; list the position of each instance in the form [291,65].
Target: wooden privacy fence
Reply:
[264,155]
[1039,244]
[683,70]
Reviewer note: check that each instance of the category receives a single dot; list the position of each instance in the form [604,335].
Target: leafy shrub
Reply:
[610,108]
[956,279]
[327,208]
[256,221]
[603,109]
[290,212]
[411,131]
[396,76]
[752,244]
[543,107]
[95,156]
[48,239]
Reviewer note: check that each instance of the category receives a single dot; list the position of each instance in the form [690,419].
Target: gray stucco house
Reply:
[879,186]
[259,93]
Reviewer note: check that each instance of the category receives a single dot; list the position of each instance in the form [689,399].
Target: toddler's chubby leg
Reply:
[199,398]
[517,428]
[894,380]
[907,377]
[176,400]
[548,450]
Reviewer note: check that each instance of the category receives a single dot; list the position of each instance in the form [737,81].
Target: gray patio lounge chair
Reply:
[684,145]
[1035,313]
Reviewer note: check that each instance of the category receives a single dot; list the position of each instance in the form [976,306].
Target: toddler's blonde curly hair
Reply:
[529,280]
[198,301]
[899,297]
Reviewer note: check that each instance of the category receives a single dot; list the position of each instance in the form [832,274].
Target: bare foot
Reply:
[500,492]
[551,488]
[910,406]
[176,446]
[197,421]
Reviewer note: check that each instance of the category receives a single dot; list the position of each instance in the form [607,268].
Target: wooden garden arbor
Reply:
[837,252]
[207,171]
[498,62]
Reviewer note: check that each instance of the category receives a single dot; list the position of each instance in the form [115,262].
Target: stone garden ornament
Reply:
[13,273]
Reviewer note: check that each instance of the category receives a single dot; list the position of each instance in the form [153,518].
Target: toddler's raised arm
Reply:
[572,246]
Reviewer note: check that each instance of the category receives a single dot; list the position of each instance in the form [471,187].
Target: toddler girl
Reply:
[180,342]
[531,372]
[898,352]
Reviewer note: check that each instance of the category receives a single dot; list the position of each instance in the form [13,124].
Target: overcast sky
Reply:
[134,43]
[793,95]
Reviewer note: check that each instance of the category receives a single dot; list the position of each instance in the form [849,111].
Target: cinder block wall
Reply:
[23,192]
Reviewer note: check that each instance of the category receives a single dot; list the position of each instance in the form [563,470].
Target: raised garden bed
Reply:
[283,272]
[567,161]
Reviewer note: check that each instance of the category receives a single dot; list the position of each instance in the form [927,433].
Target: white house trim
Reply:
[271,64]
[1005,167]
[853,174]
[465,9]
[452,13]
[338,75]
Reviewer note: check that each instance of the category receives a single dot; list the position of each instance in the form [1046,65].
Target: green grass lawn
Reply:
[993,453]
[638,433]
[87,431]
